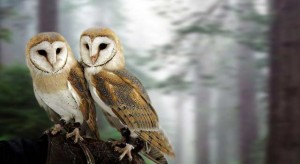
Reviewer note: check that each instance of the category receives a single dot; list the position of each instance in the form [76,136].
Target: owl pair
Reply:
[67,90]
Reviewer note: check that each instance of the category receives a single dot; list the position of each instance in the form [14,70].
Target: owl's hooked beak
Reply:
[94,58]
[51,59]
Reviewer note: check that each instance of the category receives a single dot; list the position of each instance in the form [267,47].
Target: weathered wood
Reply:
[57,149]
[62,150]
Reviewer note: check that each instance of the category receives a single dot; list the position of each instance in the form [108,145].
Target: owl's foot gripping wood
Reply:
[75,133]
[125,147]
[58,127]
[125,151]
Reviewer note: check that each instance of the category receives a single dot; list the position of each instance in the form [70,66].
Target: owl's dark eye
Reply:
[102,46]
[42,52]
[58,50]
[87,46]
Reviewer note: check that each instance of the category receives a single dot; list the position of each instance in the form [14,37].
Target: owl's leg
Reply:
[139,145]
[58,127]
[75,133]
[125,132]
[127,148]
[123,146]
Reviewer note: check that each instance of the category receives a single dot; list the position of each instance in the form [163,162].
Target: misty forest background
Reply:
[205,64]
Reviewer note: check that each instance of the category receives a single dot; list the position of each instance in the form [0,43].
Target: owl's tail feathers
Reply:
[90,130]
[95,134]
[155,155]
[94,130]
[157,139]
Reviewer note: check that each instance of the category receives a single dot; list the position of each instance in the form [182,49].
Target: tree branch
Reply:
[62,149]
[51,149]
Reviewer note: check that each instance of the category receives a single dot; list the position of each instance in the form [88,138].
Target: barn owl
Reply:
[59,85]
[120,94]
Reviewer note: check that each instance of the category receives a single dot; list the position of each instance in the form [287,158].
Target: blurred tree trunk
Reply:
[48,15]
[180,128]
[1,39]
[227,118]
[202,115]
[1,53]
[246,88]
[202,130]
[247,109]
[222,128]
[284,112]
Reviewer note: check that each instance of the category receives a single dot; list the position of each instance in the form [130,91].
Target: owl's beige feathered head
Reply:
[48,53]
[101,47]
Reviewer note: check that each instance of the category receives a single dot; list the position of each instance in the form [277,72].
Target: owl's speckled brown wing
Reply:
[134,82]
[127,98]
[87,107]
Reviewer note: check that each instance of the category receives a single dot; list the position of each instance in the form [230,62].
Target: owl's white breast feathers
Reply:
[62,102]
[38,98]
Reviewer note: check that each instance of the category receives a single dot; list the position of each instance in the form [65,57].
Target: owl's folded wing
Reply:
[130,103]
[127,98]
[83,97]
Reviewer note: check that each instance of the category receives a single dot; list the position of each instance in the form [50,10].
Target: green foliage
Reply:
[256,39]
[23,122]
[262,63]
[258,43]
[259,19]
[5,34]
[16,88]
[148,82]
[208,29]
[20,114]
[67,6]
[174,83]
[258,151]
[208,80]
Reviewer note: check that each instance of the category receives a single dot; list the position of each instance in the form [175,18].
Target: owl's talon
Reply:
[117,149]
[57,128]
[46,132]
[76,134]
[125,151]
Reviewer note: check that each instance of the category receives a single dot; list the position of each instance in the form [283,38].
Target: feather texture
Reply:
[155,155]
[86,104]
[127,98]
[58,81]
[120,94]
